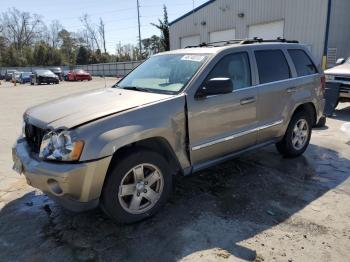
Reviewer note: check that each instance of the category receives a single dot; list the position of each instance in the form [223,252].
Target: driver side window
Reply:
[235,67]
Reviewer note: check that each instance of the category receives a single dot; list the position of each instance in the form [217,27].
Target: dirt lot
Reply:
[258,207]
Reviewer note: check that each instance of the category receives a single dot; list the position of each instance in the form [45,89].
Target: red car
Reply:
[78,75]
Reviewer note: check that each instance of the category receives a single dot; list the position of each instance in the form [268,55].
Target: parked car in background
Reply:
[57,71]
[25,77]
[9,74]
[179,112]
[40,76]
[65,75]
[340,74]
[78,75]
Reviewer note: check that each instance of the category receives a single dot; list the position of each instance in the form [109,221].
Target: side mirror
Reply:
[340,61]
[215,86]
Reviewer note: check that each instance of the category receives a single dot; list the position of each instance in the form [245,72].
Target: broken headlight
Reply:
[58,145]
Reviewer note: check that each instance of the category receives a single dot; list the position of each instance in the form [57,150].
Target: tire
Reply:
[322,122]
[118,206]
[289,149]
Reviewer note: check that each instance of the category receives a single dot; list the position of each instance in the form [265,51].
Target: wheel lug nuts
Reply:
[146,183]
[138,194]
[145,191]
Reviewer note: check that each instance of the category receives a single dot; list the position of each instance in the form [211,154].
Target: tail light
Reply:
[323,83]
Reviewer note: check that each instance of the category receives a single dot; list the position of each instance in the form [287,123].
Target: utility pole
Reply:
[138,20]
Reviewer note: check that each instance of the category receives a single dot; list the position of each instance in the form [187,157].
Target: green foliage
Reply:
[83,56]
[163,26]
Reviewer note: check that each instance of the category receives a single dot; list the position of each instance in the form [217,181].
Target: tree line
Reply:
[25,40]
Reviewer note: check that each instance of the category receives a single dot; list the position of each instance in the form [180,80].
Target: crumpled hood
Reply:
[343,69]
[73,110]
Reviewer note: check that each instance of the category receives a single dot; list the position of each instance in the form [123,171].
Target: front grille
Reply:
[34,136]
[341,78]
[344,88]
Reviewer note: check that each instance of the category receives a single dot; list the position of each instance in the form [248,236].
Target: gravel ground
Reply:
[258,207]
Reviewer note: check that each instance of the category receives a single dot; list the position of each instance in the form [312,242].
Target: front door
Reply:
[221,124]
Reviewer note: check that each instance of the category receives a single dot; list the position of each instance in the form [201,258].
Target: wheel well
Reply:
[156,144]
[310,109]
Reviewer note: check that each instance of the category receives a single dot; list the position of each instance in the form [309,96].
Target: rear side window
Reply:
[272,66]
[302,62]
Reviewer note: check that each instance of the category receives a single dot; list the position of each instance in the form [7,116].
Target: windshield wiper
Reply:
[135,88]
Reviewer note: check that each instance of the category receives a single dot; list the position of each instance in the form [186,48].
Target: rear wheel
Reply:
[297,136]
[137,187]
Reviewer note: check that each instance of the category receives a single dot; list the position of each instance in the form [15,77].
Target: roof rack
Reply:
[244,42]
[213,44]
[261,40]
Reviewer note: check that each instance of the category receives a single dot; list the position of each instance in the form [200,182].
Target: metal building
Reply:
[312,22]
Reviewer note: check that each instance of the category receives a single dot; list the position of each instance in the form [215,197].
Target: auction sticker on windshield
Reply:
[196,58]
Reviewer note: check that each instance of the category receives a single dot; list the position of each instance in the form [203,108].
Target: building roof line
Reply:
[192,11]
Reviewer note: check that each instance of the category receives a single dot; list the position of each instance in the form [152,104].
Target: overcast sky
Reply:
[120,16]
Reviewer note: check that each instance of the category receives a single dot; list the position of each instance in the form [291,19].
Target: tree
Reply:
[67,47]
[83,56]
[55,29]
[20,28]
[152,45]
[163,26]
[90,32]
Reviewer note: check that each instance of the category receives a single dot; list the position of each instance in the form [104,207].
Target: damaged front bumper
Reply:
[76,186]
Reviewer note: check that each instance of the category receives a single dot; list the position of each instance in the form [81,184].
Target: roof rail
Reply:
[244,42]
[261,40]
[213,44]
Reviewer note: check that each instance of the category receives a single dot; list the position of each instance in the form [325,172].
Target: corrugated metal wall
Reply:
[304,20]
[339,33]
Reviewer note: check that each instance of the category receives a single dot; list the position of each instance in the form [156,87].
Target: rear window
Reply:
[302,62]
[272,66]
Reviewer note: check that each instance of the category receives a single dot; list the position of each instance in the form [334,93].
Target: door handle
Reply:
[291,90]
[247,100]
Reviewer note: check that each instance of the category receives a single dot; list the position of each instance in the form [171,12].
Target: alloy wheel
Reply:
[141,188]
[300,134]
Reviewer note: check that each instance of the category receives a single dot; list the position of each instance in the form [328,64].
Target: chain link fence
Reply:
[116,69]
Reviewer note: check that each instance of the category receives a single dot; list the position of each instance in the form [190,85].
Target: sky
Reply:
[119,16]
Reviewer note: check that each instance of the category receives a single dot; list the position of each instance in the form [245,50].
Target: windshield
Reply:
[26,73]
[163,73]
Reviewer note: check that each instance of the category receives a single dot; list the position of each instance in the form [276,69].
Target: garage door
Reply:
[222,35]
[189,40]
[267,30]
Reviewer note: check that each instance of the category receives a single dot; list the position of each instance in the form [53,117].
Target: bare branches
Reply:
[90,32]
[21,28]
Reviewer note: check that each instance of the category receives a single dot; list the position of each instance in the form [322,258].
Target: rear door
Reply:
[307,82]
[274,90]
[221,124]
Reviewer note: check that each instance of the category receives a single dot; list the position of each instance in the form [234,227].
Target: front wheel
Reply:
[137,187]
[297,136]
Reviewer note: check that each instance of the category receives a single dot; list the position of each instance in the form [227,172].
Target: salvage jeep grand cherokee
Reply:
[178,112]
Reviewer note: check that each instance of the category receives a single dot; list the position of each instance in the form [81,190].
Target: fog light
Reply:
[54,187]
